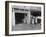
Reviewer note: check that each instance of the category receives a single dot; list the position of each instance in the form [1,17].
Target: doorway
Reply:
[19,17]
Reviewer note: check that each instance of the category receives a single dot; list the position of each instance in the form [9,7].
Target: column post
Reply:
[28,17]
[13,17]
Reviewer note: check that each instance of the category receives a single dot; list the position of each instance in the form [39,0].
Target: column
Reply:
[28,18]
[36,20]
[13,17]
[33,20]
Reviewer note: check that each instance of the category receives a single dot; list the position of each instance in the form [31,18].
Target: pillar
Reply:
[36,20]
[28,18]
[13,17]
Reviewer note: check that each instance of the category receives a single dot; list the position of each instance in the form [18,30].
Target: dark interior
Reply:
[36,13]
[19,17]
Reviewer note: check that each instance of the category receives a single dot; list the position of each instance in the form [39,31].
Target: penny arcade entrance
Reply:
[26,15]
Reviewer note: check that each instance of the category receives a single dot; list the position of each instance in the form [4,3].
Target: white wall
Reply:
[2,19]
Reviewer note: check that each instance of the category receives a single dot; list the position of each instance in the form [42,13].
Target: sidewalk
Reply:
[26,27]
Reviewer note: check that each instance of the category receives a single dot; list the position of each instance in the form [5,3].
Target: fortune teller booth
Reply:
[26,15]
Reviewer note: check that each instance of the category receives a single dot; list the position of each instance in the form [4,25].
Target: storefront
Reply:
[23,15]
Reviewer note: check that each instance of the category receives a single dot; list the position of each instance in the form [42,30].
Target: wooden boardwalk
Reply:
[21,27]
